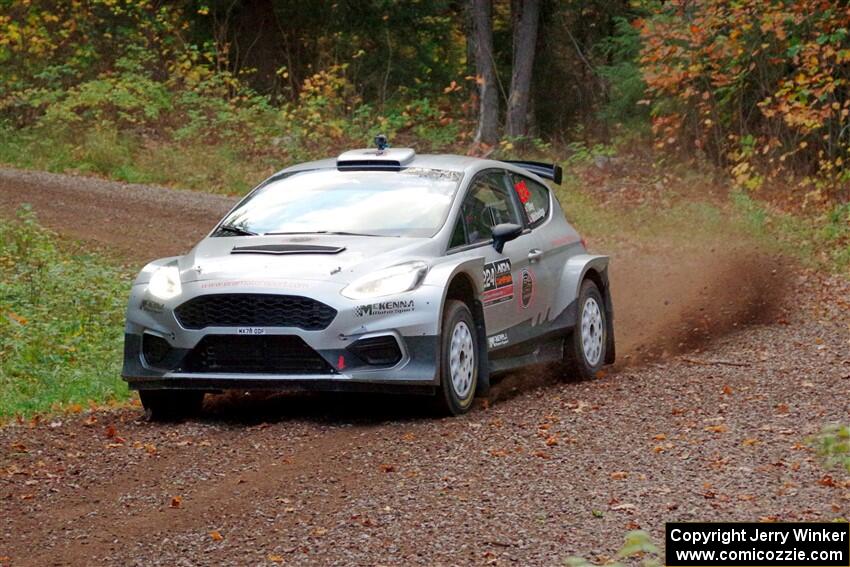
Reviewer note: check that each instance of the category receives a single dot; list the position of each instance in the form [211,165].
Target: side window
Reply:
[459,234]
[486,204]
[534,198]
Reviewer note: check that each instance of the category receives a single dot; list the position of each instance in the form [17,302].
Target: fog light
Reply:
[154,349]
[377,351]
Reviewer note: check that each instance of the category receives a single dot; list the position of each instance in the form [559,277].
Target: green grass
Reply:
[104,152]
[833,446]
[61,317]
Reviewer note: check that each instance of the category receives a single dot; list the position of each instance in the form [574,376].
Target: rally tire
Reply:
[585,346]
[170,405]
[459,358]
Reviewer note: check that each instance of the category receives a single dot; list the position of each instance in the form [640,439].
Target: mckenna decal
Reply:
[527,283]
[498,282]
[497,340]
[384,308]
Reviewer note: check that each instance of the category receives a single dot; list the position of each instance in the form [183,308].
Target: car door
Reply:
[507,297]
[535,203]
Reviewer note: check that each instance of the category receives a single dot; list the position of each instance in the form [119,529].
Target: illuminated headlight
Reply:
[165,282]
[390,281]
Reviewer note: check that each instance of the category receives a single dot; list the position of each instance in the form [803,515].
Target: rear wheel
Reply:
[584,349]
[458,359]
[169,405]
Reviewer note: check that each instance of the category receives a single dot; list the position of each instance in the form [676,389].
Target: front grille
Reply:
[265,354]
[254,310]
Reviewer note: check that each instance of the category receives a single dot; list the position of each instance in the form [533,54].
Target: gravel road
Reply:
[726,374]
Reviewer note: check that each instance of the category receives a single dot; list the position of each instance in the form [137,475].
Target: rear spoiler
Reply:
[545,170]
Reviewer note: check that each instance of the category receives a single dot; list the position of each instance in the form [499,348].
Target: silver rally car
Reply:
[378,270]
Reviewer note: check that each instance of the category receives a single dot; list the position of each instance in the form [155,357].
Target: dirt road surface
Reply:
[731,360]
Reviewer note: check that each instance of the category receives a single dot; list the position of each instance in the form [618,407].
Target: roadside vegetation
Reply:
[61,316]
[748,96]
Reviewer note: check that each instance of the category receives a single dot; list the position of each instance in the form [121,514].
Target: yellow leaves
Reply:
[721,428]
[275,558]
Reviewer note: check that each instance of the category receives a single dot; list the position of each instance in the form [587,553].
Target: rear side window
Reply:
[486,204]
[534,198]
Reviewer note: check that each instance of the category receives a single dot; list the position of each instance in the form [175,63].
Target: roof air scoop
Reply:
[381,158]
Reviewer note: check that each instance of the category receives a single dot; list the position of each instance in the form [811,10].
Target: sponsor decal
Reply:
[527,284]
[279,284]
[384,308]
[497,340]
[250,331]
[151,306]
[534,214]
[564,240]
[498,282]
[522,191]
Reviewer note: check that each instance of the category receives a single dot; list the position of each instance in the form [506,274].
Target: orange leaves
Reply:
[176,502]
[721,428]
[215,535]
[787,58]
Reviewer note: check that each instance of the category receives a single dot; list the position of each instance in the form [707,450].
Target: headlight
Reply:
[397,279]
[165,282]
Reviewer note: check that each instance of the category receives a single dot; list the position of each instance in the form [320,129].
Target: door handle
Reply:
[534,255]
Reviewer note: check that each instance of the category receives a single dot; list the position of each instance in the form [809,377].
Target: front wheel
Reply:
[584,349]
[458,359]
[169,405]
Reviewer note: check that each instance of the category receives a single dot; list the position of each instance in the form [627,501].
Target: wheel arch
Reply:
[595,268]
[463,281]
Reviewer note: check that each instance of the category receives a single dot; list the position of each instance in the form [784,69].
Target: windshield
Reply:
[411,202]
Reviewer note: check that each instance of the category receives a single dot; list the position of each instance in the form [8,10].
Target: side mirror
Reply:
[504,232]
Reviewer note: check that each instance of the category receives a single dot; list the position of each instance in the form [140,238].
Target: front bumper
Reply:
[340,368]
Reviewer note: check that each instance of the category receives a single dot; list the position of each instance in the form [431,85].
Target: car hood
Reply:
[308,257]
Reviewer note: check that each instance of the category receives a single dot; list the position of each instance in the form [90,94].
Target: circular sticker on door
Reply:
[527,288]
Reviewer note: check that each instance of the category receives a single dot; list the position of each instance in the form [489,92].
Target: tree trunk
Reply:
[485,71]
[525,15]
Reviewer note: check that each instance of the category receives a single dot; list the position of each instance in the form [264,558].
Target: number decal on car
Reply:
[498,282]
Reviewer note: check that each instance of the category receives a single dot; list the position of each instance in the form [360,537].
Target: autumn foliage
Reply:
[761,86]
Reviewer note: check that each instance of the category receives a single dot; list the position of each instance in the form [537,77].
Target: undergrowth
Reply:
[61,315]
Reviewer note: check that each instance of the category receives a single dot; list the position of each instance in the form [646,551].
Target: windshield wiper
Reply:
[333,232]
[233,229]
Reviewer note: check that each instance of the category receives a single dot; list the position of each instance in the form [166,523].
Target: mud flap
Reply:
[610,348]
[482,390]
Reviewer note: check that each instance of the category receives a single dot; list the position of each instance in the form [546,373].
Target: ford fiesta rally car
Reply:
[379,270]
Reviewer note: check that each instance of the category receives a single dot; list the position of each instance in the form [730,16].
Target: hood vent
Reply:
[281,249]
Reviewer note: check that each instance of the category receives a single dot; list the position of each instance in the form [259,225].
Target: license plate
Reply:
[251,331]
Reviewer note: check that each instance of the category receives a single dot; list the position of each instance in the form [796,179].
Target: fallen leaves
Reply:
[215,535]
[387,468]
[721,428]
[619,475]
[176,502]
